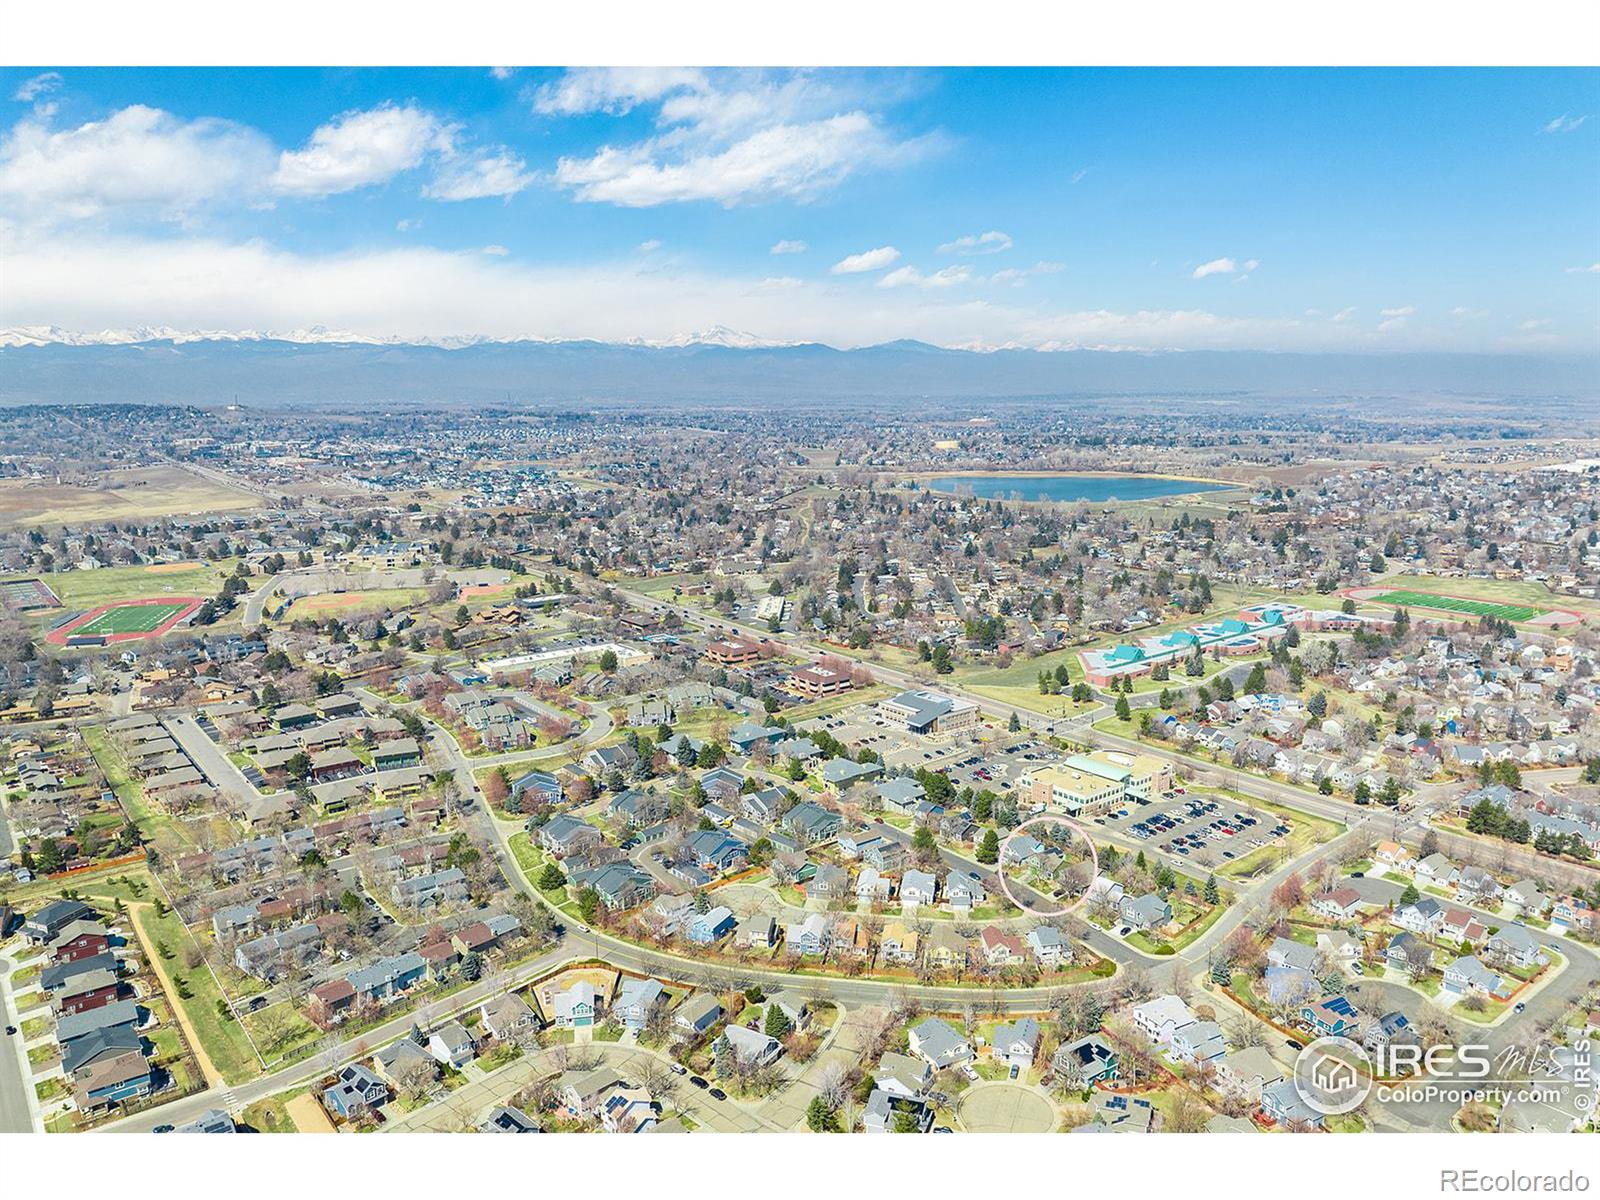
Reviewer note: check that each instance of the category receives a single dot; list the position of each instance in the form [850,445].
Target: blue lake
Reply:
[1094,488]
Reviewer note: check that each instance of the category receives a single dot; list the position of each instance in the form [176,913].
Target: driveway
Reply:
[211,760]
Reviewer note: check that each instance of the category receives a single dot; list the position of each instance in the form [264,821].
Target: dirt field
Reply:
[344,604]
[118,496]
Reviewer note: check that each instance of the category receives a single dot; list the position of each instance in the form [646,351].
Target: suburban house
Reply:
[698,1013]
[940,1046]
[918,888]
[508,1018]
[711,925]
[1332,1016]
[575,1007]
[751,1047]
[887,1112]
[1468,975]
[637,1000]
[452,1045]
[1198,1042]
[1162,1016]
[1516,945]
[1425,916]
[1338,905]
[356,1093]
[1089,1059]
[902,1075]
[1016,1044]
[1246,1073]
[1149,911]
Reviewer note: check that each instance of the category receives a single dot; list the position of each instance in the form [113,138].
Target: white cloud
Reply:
[613,90]
[490,173]
[1217,266]
[1409,310]
[1533,323]
[1591,269]
[138,157]
[1565,123]
[31,89]
[1078,175]
[1344,314]
[1017,275]
[724,136]
[495,251]
[359,149]
[788,246]
[649,246]
[407,224]
[992,242]
[1462,313]
[793,161]
[502,73]
[93,281]
[1226,266]
[911,277]
[867,260]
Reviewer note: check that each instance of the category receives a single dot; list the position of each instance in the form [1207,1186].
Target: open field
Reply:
[118,496]
[111,585]
[1514,592]
[349,604]
[1476,608]
[223,1044]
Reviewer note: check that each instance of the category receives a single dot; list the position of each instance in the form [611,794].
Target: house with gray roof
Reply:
[1149,911]
[1016,1044]
[940,1046]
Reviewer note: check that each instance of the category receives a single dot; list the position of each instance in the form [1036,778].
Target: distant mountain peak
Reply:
[54,335]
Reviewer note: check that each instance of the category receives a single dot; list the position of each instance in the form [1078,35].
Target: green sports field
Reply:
[1476,608]
[131,618]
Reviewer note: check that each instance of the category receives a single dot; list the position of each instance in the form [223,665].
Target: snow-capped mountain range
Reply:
[54,335]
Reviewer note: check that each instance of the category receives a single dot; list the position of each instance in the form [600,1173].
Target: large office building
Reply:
[929,712]
[1094,783]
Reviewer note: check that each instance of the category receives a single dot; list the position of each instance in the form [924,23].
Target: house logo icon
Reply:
[1333,1075]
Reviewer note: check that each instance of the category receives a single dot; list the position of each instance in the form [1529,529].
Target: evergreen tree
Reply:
[989,848]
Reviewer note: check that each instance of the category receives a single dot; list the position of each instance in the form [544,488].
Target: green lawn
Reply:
[282,1032]
[165,834]
[131,618]
[224,1041]
[90,589]
[1455,604]
[1514,591]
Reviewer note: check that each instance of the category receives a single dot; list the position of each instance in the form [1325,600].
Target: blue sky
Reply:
[1150,209]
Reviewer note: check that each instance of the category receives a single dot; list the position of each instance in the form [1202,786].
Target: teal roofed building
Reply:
[1181,637]
[1119,655]
[1232,627]
[1102,770]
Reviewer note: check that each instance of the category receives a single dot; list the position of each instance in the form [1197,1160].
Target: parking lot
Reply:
[862,729]
[1202,827]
